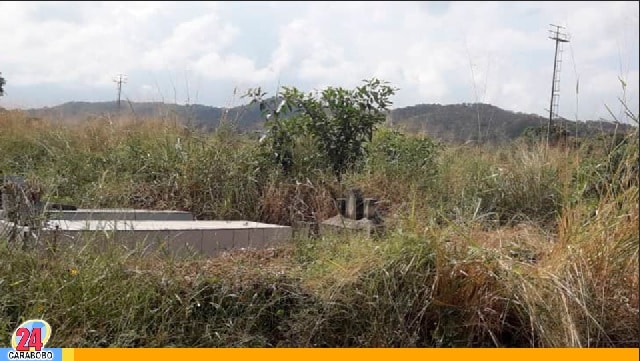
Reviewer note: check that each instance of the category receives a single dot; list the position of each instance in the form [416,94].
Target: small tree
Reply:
[340,121]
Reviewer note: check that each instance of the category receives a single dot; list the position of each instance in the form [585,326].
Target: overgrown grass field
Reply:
[513,245]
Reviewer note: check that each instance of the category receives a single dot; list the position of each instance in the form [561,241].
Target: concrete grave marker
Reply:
[355,213]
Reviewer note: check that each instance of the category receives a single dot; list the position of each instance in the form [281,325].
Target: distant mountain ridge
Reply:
[451,123]
[202,116]
[486,123]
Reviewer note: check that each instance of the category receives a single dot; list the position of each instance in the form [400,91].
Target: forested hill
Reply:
[450,123]
[484,122]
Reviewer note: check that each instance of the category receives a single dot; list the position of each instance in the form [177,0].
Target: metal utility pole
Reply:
[559,38]
[120,79]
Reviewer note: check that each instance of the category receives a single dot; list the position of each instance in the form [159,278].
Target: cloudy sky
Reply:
[435,52]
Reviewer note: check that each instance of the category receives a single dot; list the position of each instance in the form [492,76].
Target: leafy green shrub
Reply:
[340,122]
[402,156]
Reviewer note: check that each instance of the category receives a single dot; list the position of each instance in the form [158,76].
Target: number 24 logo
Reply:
[31,335]
[28,339]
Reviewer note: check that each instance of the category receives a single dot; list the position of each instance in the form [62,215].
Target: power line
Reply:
[120,79]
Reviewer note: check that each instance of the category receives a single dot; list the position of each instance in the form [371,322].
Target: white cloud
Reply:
[434,52]
[190,41]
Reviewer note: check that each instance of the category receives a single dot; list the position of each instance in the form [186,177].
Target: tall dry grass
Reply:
[490,247]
